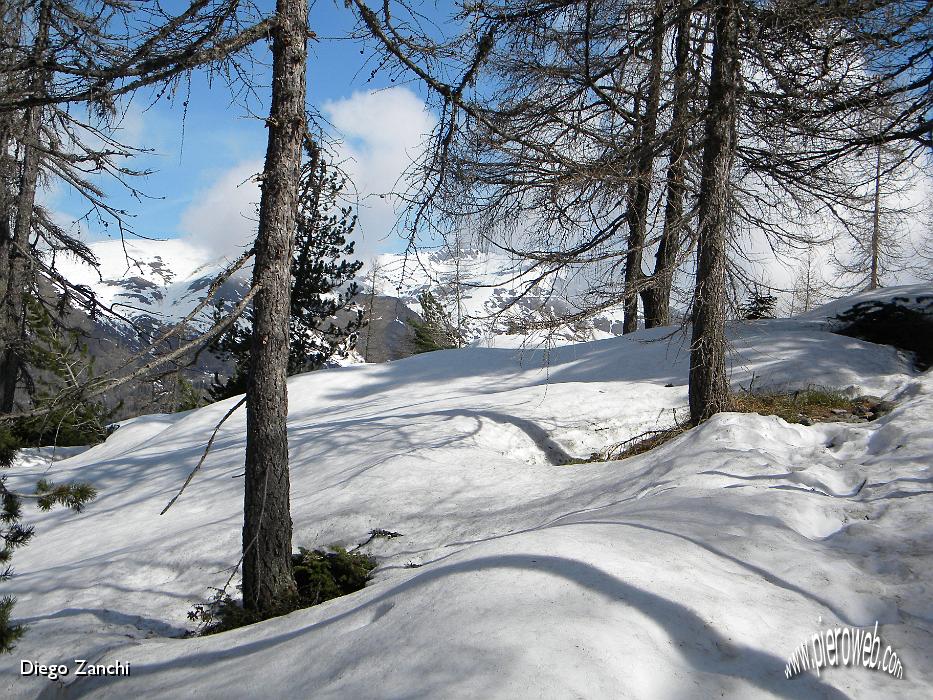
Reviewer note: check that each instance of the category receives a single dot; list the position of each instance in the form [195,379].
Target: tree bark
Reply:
[267,530]
[17,264]
[10,26]
[709,389]
[641,194]
[7,329]
[656,297]
[873,280]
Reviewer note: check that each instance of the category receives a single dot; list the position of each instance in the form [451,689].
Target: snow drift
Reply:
[693,570]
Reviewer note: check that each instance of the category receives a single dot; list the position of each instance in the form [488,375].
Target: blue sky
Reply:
[203,190]
[201,157]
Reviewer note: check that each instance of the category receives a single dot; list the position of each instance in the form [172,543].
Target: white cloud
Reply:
[222,218]
[382,132]
[134,127]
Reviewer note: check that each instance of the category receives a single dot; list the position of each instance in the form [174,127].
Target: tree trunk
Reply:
[709,389]
[638,203]
[873,282]
[7,328]
[18,264]
[369,314]
[267,530]
[10,25]
[633,254]
[656,297]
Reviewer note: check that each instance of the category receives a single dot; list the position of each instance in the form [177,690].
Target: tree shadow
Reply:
[700,647]
[114,617]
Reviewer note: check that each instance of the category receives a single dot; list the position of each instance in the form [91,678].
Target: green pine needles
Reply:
[59,364]
[324,319]
[319,575]
[759,305]
[435,330]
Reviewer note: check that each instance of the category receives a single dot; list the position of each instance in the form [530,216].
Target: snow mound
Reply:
[912,295]
[693,570]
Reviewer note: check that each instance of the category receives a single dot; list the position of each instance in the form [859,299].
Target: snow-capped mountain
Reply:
[152,282]
[158,282]
[487,293]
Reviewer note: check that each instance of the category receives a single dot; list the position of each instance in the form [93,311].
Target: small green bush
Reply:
[322,575]
[758,306]
[319,575]
[65,426]
[435,331]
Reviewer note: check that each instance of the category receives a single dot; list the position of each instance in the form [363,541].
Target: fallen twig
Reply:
[203,456]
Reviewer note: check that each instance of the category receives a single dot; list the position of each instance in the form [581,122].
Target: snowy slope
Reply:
[690,571]
[917,296]
[158,282]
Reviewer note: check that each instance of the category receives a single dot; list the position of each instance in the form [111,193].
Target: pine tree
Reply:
[188,397]
[434,331]
[57,361]
[324,320]
[759,305]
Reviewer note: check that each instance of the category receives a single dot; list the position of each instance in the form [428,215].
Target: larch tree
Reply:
[875,245]
[656,294]
[709,389]
[63,68]
[268,583]
[547,134]
[809,287]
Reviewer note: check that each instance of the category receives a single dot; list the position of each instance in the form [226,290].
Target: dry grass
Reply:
[635,445]
[645,442]
[808,405]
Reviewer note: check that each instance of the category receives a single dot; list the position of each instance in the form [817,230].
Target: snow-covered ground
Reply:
[693,570]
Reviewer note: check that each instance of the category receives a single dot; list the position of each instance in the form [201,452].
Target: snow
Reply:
[164,279]
[693,570]
[484,290]
[917,296]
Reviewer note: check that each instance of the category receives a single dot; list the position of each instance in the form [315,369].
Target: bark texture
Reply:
[17,263]
[267,529]
[709,390]
[873,278]
[656,296]
[641,189]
